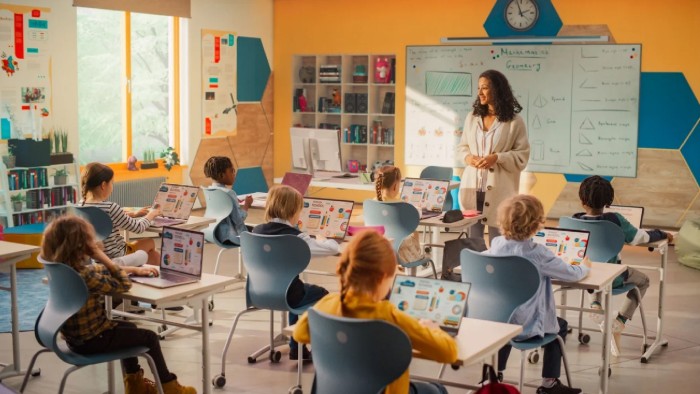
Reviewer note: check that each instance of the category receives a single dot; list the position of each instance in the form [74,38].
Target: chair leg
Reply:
[441,371]
[432,265]
[230,337]
[644,320]
[566,362]
[522,371]
[580,314]
[65,376]
[218,258]
[154,371]
[30,368]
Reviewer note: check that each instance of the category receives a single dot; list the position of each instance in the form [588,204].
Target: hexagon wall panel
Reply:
[580,178]
[253,69]
[691,153]
[548,22]
[546,187]
[567,202]
[661,94]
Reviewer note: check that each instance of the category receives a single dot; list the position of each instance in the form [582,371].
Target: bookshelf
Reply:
[337,95]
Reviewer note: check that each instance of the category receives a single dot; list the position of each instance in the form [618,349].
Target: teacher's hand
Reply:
[473,160]
[487,162]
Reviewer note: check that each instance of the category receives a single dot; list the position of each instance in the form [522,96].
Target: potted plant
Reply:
[170,157]
[17,200]
[60,176]
[10,158]
[59,147]
[149,159]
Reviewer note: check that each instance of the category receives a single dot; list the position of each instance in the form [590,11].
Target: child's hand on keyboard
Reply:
[152,214]
[141,212]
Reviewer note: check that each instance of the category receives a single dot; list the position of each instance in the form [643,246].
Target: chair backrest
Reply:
[219,207]
[272,262]
[250,180]
[605,241]
[442,173]
[499,284]
[356,355]
[67,294]
[399,219]
[99,219]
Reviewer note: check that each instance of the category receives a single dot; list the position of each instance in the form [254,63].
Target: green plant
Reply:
[60,172]
[149,155]
[64,141]
[10,150]
[17,197]
[170,157]
[55,140]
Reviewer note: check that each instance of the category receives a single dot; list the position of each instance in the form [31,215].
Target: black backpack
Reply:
[450,256]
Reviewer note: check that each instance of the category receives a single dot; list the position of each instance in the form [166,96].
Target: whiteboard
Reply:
[580,103]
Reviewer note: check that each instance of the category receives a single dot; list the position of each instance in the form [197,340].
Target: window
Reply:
[126,84]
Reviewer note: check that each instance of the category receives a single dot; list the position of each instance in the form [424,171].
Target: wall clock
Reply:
[521,15]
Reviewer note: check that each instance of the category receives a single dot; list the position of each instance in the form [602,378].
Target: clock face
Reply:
[521,15]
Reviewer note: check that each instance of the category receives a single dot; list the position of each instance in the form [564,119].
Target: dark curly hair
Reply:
[596,192]
[216,167]
[506,105]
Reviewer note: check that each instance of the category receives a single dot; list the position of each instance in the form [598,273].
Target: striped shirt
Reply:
[91,320]
[115,245]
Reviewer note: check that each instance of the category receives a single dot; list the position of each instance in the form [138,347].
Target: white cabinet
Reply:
[35,187]
[346,92]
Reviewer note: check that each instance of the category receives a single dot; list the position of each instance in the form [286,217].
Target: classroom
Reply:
[340,90]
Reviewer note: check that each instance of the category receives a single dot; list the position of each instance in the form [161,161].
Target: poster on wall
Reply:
[25,79]
[219,112]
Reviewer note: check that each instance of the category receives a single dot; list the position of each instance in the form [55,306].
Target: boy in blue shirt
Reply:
[221,171]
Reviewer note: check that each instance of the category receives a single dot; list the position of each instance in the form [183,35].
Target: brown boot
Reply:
[173,387]
[135,383]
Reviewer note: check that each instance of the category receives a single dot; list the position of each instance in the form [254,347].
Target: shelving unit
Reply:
[368,110]
[42,198]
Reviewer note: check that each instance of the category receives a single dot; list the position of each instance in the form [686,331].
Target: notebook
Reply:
[175,203]
[442,301]
[329,218]
[633,214]
[181,256]
[569,245]
[298,181]
[427,195]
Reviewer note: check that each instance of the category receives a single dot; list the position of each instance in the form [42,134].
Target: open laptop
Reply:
[442,301]
[175,203]
[329,218]
[427,195]
[569,245]
[181,257]
[633,214]
[300,182]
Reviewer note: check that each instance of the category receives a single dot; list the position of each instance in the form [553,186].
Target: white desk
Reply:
[10,254]
[179,295]
[435,223]
[193,223]
[324,179]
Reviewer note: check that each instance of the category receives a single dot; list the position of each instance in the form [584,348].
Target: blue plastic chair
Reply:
[67,294]
[272,262]
[99,219]
[250,180]
[499,284]
[356,355]
[400,219]
[605,243]
[443,174]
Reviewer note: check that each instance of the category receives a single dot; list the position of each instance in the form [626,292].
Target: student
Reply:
[520,217]
[596,193]
[221,171]
[97,183]
[70,240]
[366,270]
[284,205]
[387,182]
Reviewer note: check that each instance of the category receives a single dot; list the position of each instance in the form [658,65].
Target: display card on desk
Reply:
[329,218]
[569,245]
[427,195]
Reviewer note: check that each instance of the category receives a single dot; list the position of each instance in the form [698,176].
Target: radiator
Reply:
[136,192]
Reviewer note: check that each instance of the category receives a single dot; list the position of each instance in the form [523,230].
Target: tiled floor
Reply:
[672,370]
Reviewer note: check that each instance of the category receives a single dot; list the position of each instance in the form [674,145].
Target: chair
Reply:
[67,294]
[605,243]
[250,180]
[400,219]
[499,285]
[99,219]
[356,355]
[272,262]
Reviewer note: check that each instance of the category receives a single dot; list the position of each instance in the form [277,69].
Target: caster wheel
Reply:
[533,357]
[650,249]
[644,348]
[644,360]
[609,371]
[296,390]
[584,338]
[570,330]
[211,305]
[275,356]
[219,381]
[251,360]
[428,249]
[37,373]
[455,367]
[211,323]
[665,344]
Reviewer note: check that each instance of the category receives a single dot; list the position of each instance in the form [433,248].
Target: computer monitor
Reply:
[633,214]
[315,150]
[300,149]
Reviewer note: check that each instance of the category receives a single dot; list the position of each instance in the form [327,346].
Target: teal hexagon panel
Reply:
[519,13]
[253,69]
[668,110]
[691,154]
[580,178]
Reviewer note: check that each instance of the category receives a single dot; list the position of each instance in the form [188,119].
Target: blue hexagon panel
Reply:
[253,69]
[580,178]
[691,153]
[668,110]
[548,22]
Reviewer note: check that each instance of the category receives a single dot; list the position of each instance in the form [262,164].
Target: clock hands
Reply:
[519,10]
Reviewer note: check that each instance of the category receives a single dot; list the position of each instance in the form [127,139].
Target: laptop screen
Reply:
[425,194]
[633,214]
[442,301]
[175,201]
[182,251]
[329,218]
[569,245]
[298,181]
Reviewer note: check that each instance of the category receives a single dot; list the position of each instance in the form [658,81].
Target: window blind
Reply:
[179,8]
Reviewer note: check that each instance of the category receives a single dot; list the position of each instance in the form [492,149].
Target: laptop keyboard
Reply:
[174,278]
[162,221]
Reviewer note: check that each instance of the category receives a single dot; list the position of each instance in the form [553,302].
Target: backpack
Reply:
[494,386]
[450,255]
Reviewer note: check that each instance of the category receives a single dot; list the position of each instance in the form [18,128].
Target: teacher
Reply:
[495,150]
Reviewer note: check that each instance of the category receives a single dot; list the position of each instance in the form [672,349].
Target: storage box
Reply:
[30,153]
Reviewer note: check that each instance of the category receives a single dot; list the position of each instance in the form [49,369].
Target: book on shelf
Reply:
[388,105]
[18,179]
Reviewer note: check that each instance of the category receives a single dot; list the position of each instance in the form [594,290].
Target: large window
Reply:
[125,84]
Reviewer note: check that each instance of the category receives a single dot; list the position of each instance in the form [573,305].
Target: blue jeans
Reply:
[312,293]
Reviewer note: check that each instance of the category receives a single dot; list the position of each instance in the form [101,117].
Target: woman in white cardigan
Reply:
[495,149]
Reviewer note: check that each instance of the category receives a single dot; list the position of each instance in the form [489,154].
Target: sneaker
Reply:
[617,328]
[558,388]
[598,318]
[305,354]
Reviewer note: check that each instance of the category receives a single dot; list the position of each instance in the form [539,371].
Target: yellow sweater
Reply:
[432,343]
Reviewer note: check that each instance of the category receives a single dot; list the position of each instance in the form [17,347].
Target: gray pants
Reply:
[477,229]
[639,279]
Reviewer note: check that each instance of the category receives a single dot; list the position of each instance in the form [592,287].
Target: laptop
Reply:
[175,203]
[298,181]
[326,217]
[442,301]
[569,245]
[181,256]
[633,214]
[427,195]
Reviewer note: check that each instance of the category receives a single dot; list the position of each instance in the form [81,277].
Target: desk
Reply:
[179,295]
[10,254]
[435,224]
[325,179]
[192,223]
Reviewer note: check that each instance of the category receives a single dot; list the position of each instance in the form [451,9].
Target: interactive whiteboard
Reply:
[580,103]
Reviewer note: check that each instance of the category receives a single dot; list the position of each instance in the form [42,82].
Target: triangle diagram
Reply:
[540,101]
[536,123]
[587,125]
[584,167]
[587,85]
[583,140]
[584,152]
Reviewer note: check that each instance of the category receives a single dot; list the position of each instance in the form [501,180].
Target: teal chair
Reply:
[499,284]
[67,294]
[250,180]
[354,356]
[400,219]
[99,219]
[272,262]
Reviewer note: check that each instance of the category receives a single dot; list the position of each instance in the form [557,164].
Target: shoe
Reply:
[135,383]
[598,318]
[305,354]
[617,328]
[174,387]
[558,388]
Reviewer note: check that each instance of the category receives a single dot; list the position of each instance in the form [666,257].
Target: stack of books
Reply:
[329,74]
